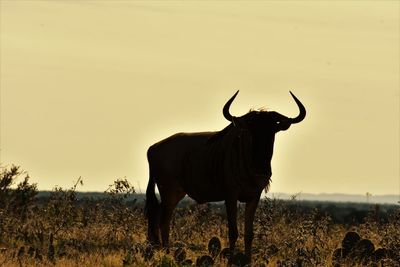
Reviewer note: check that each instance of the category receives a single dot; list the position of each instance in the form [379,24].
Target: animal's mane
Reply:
[230,155]
[220,134]
[262,109]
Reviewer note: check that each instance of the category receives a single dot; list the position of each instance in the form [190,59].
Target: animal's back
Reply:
[182,159]
[168,156]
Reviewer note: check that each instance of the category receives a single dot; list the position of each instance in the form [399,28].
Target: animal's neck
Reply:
[263,150]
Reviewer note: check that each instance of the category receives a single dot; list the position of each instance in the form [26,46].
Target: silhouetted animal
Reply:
[230,165]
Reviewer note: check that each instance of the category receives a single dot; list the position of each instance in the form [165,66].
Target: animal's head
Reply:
[251,137]
[261,123]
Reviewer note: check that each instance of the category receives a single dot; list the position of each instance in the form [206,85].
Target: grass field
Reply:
[62,230]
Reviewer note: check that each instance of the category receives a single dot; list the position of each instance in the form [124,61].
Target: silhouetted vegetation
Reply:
[62,229]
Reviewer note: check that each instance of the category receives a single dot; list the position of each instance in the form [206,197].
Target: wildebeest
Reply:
[229,165]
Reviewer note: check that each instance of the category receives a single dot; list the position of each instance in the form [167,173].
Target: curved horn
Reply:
[302,109]
[227,115]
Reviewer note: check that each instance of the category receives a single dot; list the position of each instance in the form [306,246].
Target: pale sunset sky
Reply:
[88,86]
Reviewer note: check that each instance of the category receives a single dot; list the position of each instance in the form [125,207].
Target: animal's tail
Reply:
[152,205]
[151,210]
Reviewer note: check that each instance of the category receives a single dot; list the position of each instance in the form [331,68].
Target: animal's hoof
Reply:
[240,259]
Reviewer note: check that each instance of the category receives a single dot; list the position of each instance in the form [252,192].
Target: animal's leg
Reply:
[153,234]
[231,212]
[168,204]
[248,225]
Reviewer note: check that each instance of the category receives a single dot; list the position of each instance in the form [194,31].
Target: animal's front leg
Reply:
[231,212]
[251,207]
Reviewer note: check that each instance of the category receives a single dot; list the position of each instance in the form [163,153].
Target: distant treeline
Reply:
[335,198]
[339,212]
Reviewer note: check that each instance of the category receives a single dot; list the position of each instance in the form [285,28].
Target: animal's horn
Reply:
[302,109]
[227,115]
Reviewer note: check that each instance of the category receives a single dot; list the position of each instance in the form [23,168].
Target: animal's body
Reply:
[229,165]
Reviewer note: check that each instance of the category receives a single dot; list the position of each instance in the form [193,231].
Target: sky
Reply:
[87,86]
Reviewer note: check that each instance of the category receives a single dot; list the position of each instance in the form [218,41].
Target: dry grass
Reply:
[63,231]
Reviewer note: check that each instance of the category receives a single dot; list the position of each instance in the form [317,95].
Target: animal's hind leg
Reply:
[153,232]
[170,197]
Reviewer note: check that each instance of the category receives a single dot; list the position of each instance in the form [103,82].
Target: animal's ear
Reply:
[281,122]
[283,125]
